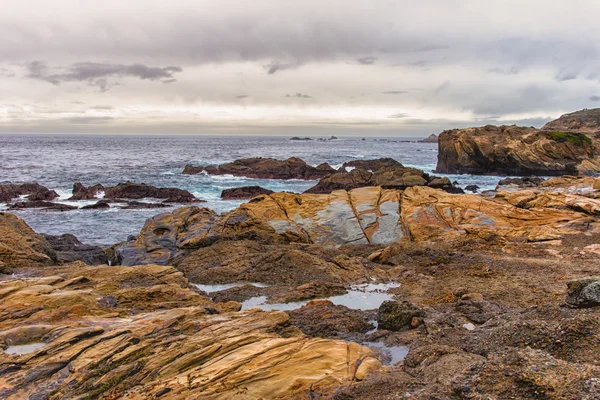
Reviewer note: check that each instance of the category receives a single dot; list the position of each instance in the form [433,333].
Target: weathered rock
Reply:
[46,205]
[584,292]
[20,246]
[244,192]
[512,150]
[265,168]
[585,121]
[140,205]
[430,139]
[596,185]
[99,205]
[526,181]
[129,190]
[35,191]
[321,318]
[140,331]
[395,315]
[81,192]
[68,249]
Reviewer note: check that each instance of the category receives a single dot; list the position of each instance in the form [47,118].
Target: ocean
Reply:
[58,161]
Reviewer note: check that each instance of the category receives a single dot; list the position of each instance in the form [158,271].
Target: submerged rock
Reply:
[265,168]
[101,204]
[584,292]
[46,205]
[244,192]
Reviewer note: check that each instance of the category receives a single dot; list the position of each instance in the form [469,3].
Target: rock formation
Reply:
[512,150]
[244,192]
[430,139]
[265,168]
[34,191]
[132,191]
[585,121]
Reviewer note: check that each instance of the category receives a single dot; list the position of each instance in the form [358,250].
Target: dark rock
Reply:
[68,249]
[300,138]
[108,302]
[80,192]
[129,190]
[373,165]
[429,139]
[46,205]
[101,204]
[582,293]
[472,188]
[244,192]
[478,311]
[395,315]
[34,190]
[265,168]
[526,181]
[139,205]
[321,318]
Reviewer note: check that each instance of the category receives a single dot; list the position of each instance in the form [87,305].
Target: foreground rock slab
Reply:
[142,332]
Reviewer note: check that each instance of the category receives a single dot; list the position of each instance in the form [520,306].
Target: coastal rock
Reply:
[81,192]
[385,172]
[99,205]
[512,150]
[68,249]
[395,315]
[429,139]
[244,192]
[321,318]
[132,191]
[265,168]
[45,205]
[584,292]
[526,181]
[585,121]
[140,205]
[20,246]
[141,331]
[35,191]
[300,138]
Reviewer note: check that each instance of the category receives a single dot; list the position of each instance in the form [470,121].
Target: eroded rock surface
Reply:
[20,246]
[34,191]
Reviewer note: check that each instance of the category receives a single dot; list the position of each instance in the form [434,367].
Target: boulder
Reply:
[35,191]
[513,150]
[21,247]
[244,192]
[265,168]
[68,249]
[584,292]
[396,315]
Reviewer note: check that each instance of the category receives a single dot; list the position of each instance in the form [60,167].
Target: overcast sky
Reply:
[372,67]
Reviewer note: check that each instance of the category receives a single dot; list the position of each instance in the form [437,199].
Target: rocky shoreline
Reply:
[362,293]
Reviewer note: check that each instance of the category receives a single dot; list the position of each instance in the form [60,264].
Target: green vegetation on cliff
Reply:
[577,139]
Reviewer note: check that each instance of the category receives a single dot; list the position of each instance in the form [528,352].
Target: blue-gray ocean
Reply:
[57,161]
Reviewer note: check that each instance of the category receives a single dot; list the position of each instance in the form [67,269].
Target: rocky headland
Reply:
[564,146]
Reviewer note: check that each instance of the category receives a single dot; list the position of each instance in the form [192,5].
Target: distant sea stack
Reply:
[564,146]
[429,139]
[300,138]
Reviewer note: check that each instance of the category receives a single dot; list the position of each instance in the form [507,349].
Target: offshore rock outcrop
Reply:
[132,191]
[34,191]
[265,168]
[513,150]
[244,192]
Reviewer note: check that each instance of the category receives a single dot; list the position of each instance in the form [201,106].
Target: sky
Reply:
[294,67]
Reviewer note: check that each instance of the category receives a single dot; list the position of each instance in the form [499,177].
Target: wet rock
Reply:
[472,306]
[265,168]
[99,205]
[583,292]
[512,150]
[68,249]
[140,205]
[81,192]
[35,191]
[129,190]
[45,205]
[244,192]
[396,315]
[322,318]
[472,188]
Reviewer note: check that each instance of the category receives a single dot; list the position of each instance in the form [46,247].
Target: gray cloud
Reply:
[394,92]
[504,71]
[275,66]
[399,115]
[594,98]
[366,60]
[563,76]
[242,96]
[96,74]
